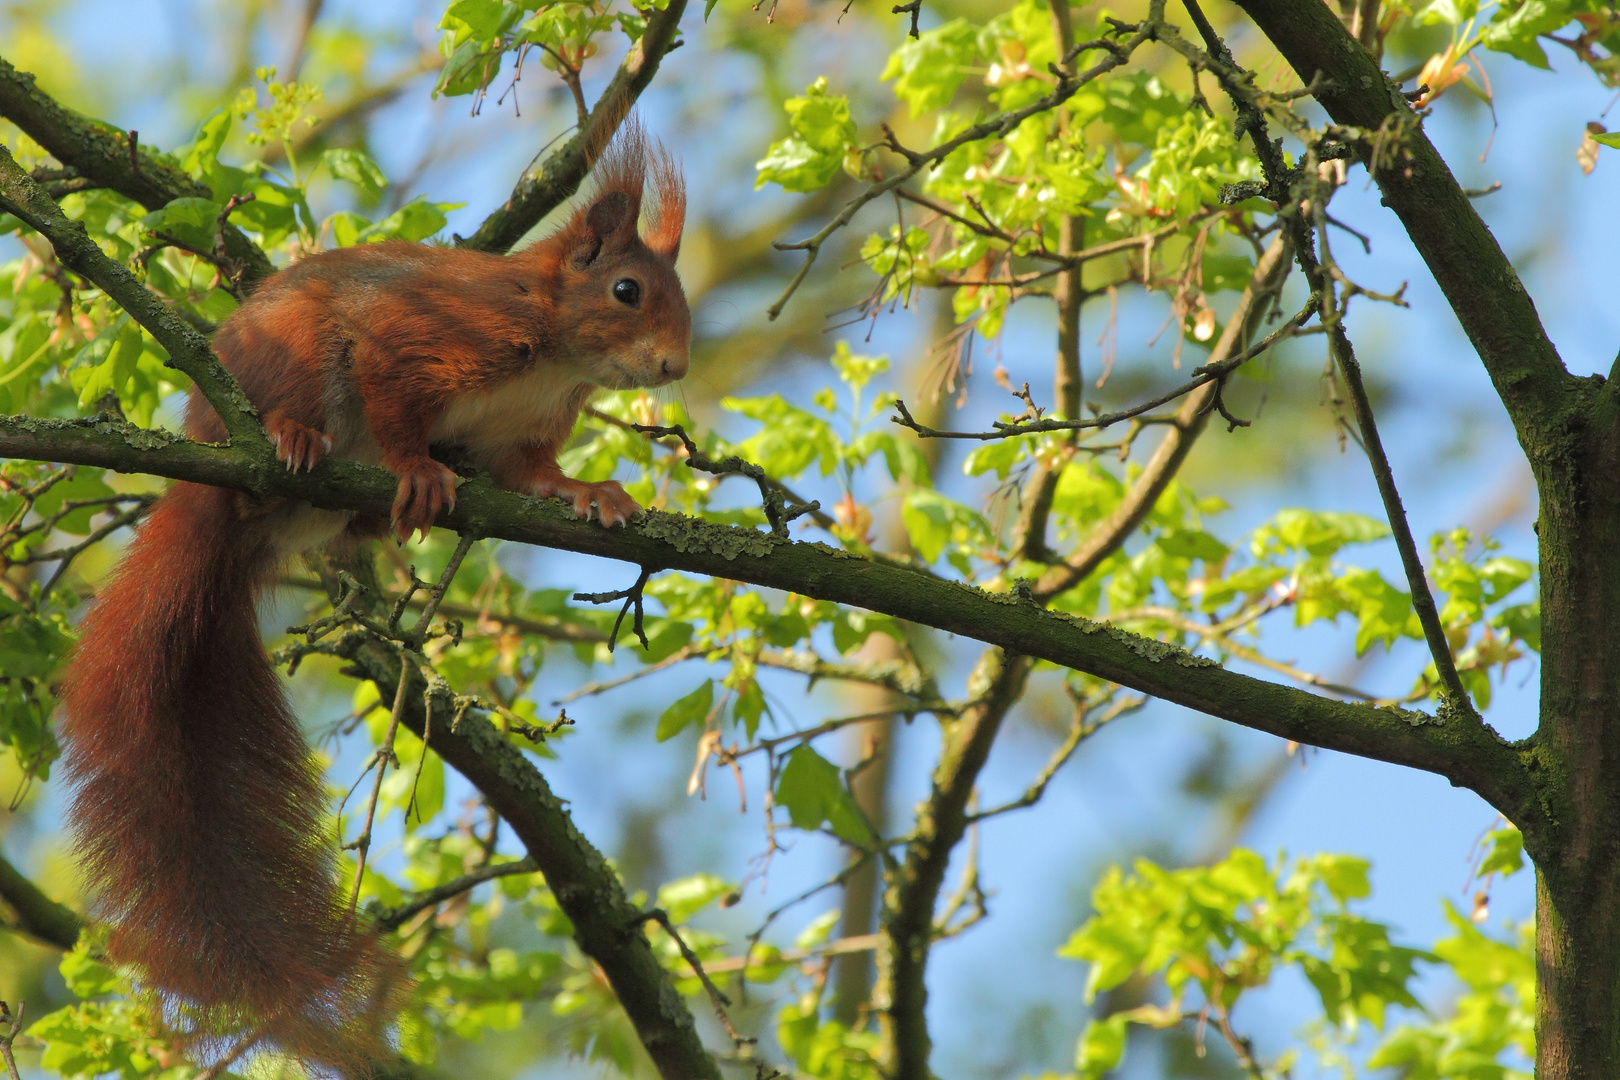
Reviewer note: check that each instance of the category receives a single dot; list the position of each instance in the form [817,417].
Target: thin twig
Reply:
[385,751]
[1207,374]
[15,1021]
[1416,578]
[679,656]
[634,596]
[393,918]
[996,126]
[716,998]
[1079,731]
[243,1045]
[361,844]
[420,631]
[777,512]
[915,8]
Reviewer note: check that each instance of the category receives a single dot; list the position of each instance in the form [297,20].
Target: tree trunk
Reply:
[1576,751]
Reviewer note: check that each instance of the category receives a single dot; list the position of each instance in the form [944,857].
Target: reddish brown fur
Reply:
[196,803]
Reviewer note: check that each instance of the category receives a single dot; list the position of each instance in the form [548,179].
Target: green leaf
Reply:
[86,483]
[469,68]
[686,897]
[416,220]
[999,456]
[1523,621]
[118,349]
[203,156]
[1316,533]
[817,932]
[928,70]
[190,219]
[790,438]
[854,369]
[482,17]
[822,134]
[1484,963]
[1607,138]
[1507,852]
[1101,1048]
[347,227]
[796,165]
[89,978]
[1193,544]
[1450,12]
[812,790]
[417,1042]
[665,637]
[1344,875]
[851,628]
[934,522]
[356,166]
[821,119]
[691,709]
[1515,28]
[749,706]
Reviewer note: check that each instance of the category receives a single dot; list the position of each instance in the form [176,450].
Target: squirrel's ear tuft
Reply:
[668,204]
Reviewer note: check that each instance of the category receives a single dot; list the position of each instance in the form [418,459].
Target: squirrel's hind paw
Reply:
[425,488]
[614,506]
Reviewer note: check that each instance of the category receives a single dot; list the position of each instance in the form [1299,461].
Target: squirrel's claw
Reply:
[425,488]
[298,446]
[614,506]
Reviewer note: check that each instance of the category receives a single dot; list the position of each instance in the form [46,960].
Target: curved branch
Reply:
[38,916]
[101,153]
[908,906]
[1468,754]
[537,194]
[1475,275]
[1187,425]
[607,926]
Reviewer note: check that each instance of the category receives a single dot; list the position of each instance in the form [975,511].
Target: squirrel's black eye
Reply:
[627,291]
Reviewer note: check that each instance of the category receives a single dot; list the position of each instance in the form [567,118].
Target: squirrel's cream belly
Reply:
[537,406]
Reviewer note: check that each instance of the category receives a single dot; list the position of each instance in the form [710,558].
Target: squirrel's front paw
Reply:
[613,505]
[425,488]
[298,446]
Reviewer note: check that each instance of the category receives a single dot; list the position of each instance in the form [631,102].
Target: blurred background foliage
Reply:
[814,729]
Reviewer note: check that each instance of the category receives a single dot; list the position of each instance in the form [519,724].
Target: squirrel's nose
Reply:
[674,367]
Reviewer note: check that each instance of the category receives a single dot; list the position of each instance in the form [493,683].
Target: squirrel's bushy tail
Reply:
[196,804]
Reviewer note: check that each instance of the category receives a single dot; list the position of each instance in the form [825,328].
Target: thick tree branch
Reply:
[1468,754]
[188,349]
[101,153]
[908,907]
[1479,282]
[38,916]
[538,193]
[607,926]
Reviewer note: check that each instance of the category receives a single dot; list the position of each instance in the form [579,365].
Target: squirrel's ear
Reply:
[608,216]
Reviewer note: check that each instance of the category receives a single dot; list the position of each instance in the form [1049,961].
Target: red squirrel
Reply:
[196,805]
